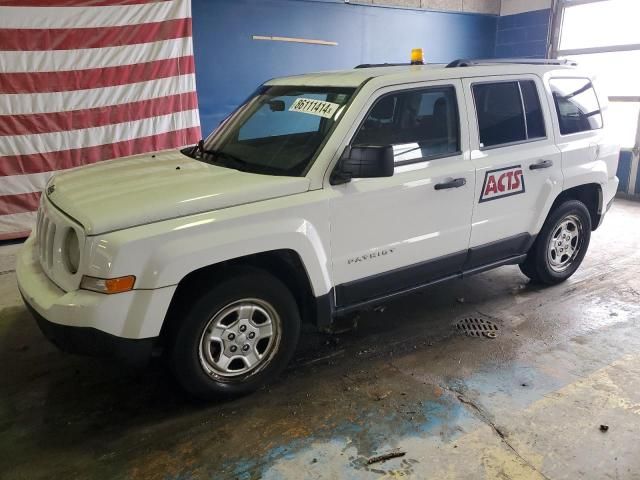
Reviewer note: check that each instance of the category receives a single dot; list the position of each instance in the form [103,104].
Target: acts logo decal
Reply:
[502,182]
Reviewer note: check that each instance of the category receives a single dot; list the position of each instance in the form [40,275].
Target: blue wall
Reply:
[230,65]
[624,170]
[523,34]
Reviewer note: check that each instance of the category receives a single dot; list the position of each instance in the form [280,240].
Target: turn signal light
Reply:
[417,56]
[108,285]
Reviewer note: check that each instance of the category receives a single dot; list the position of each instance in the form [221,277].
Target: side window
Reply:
[508,112]
[532,110]
[419,124]
[576,104]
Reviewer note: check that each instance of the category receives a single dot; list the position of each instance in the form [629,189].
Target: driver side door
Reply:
[392,234]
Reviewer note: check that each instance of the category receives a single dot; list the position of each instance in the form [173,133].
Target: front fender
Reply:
[173,261]
[163,253]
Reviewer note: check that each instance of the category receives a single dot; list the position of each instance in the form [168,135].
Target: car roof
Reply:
[398,74]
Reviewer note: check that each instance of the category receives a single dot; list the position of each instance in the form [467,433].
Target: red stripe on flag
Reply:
[74,3]
[23,202]
[46,162]
[39,39]
[96,117]
[63,81]
[13,235]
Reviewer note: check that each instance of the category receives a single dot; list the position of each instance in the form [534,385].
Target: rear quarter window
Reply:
[576,105]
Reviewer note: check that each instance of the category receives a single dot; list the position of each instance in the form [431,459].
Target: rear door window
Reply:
[576,105]
[508,112]
[532,110]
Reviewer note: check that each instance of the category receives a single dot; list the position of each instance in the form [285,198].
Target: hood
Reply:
[149,188]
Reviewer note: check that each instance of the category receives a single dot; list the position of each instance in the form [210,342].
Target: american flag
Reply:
[83,81]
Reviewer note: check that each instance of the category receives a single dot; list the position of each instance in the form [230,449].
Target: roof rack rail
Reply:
[461,62]
[375,65]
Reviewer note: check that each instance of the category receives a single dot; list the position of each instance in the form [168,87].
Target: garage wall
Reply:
[624,171]
[475,6]
[230,64]
[523,28]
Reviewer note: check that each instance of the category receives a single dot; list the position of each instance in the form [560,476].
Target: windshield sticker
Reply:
[314,107]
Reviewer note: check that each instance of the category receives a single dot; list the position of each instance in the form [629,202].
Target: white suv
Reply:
[322,195]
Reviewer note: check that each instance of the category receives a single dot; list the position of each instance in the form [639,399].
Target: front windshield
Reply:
[278,131]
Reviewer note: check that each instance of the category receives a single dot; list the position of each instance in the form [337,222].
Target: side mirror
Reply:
[364,162]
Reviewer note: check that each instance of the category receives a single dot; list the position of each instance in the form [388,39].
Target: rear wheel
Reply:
[561,245]
[236,337]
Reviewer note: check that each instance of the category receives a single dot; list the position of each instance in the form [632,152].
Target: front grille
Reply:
[51,228]
[45,234]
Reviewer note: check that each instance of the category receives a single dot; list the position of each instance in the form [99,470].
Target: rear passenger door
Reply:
[518,165]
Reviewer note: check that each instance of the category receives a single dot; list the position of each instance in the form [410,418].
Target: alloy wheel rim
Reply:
[565,243]
[240,339]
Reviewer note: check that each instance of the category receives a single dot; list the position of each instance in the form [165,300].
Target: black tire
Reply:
[542,266]
[186,355]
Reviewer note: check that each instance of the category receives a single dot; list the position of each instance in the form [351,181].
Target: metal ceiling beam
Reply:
[605,49]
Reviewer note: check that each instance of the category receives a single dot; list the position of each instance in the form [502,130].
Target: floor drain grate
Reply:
[477,327]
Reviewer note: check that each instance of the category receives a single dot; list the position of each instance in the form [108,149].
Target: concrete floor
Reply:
[527,404]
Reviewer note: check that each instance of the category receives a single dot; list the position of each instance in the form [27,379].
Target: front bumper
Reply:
[89,341]
[87,322]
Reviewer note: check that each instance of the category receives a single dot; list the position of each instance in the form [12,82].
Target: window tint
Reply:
[576,104]
[500,117]
[533,111]
[418,123]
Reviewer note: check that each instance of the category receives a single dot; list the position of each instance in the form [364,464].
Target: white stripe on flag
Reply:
[82,59]
[28,103]
[92,17]
[17,222]
[90,137]
[17,184]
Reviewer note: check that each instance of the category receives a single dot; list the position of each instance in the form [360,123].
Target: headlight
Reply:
[71,251]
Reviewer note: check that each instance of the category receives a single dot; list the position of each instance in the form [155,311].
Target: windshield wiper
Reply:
[199,148]
[228,156]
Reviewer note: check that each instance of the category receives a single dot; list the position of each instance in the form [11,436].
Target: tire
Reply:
[237,312]
[551,264]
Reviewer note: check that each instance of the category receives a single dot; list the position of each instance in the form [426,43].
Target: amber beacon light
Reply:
[417,56]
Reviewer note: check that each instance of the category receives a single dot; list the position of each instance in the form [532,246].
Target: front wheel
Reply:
[236,337]
[561,244]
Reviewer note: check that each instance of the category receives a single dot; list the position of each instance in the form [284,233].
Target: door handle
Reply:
[541,164]
[456,183]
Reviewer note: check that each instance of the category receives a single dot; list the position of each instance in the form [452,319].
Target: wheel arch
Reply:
[284,264]
[590,194]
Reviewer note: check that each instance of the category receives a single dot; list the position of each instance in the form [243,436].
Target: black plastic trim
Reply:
[469,62]
[374,301]
[362,293]
[398,280]
[325,308]
[377,65]
[93,342]
[498,250]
